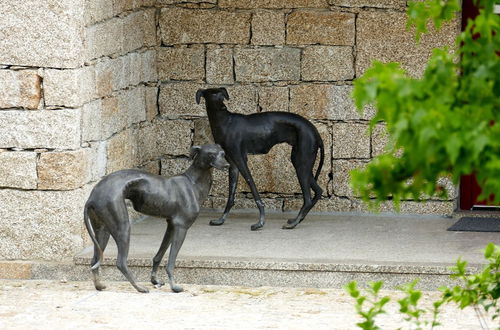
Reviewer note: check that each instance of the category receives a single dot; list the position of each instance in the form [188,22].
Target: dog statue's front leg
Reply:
[179,234]
[167,238]
[233,184]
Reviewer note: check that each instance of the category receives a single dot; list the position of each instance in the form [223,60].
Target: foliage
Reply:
[446,123]
[481,289]
[374,303]
[478,290]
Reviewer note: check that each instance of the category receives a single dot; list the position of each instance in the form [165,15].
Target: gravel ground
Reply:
[71,305]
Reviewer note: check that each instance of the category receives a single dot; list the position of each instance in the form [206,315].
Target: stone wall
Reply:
[296,56]
[79,82]
[93,86]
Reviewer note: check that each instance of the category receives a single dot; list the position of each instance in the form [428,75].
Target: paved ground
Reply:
[76,305]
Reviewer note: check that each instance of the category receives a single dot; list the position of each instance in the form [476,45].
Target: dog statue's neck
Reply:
[216,109]
[201,179]
[217,116]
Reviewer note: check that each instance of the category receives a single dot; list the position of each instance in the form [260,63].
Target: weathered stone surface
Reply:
[133,104]
[64,170]
[382,36]
[273,98]
[97,10]
[322,101]
[139,30]
[445,208]
[150,95]
[220,66]
[341,177]
[332,204]
[120,6]
[113,117]
[201,4]
[350,140]
[246,202]
[327,63]
[20,89]
[268,28]
[105,38]
[70,88]
[325,28]
[50,36]
[379,140]
[181,63]
[133,68]
[91,121]
[98,160]
[152,167]
[272,4]
[202,132]
[178,99]
[51,221]
[122,151]
[149,66]
[267,64]
[133,31]
[40,129]
[15,270]
[149,27]
[18,169]
[130,69]
[184,26]
[396,4]
[242,99]
[174,166]
[164,138]
[113,75]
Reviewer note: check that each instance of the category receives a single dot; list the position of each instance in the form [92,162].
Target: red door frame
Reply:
[469,188]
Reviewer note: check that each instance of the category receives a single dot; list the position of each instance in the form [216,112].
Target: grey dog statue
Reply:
[240,135]
[178,199]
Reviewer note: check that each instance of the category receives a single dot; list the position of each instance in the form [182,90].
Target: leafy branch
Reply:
[480,291]
[444,124]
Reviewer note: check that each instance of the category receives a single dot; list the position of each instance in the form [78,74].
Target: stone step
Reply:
[326,250]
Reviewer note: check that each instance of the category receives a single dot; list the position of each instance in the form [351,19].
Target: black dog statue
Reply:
[178,199]
[240,135]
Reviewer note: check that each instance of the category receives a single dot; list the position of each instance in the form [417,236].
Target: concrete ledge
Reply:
[326,250]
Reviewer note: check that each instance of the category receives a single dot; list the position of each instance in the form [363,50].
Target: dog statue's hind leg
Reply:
[303,164]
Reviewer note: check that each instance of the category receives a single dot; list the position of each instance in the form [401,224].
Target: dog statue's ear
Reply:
[224,92]
[195,150]
[199,94]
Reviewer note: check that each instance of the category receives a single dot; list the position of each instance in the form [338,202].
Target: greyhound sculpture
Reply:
[177,199]
[240,135]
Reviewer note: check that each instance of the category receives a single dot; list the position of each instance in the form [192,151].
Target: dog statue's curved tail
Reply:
[321,157]
[92,235]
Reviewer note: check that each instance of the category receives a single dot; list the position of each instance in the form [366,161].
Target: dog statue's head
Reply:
[209,155]
[212,94]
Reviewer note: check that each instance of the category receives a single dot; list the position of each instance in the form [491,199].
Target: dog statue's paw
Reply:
[176,288]
[100,286]
[157,283]
[142,289]
[217,222]
[256,226]
[289,226]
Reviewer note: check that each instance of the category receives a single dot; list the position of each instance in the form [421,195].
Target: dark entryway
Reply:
[469,187]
